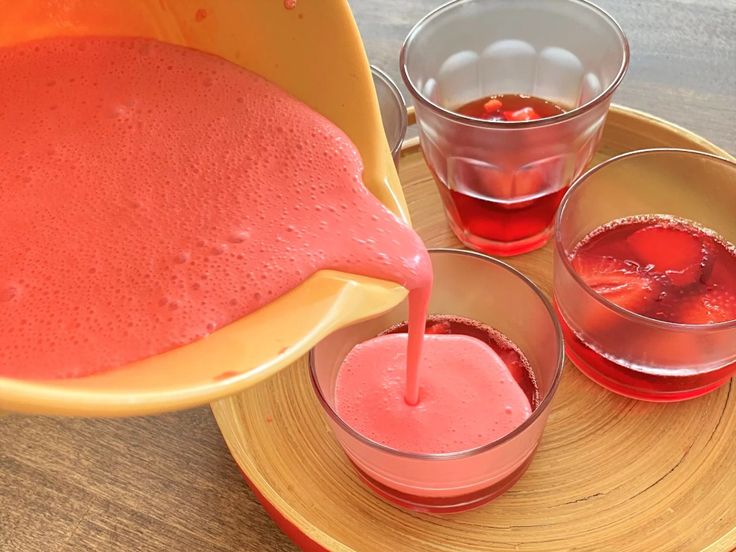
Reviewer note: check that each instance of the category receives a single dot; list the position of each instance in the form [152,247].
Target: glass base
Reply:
[639,385]
[449,504]
[498,248]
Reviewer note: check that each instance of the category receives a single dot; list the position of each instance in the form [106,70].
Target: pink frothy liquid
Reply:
[476,387]
[152,194]
[467,397]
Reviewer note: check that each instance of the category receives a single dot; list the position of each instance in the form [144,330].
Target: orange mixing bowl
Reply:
[314,52]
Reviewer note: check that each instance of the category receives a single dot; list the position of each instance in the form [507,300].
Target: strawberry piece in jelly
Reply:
[617,281]
[523,114]
[442,327]
[513,362]
[526,183]
[529,182]
[492,105]
[713,306]
[671,251]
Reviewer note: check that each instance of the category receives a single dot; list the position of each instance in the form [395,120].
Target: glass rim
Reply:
[536,413]
[400,103]
[510,125]
[566,261]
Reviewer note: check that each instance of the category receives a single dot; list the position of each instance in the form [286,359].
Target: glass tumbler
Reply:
[501,181]
[393,111]
[473,286]
[628,353]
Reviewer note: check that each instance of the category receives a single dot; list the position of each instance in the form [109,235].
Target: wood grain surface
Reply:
[167,483]
[610,473]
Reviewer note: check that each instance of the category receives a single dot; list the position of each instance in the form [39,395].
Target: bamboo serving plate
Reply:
[611,474]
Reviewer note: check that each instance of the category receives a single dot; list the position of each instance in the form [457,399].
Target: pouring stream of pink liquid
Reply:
[152,194]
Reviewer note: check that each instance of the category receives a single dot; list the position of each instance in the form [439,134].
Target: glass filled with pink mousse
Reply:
[491,361]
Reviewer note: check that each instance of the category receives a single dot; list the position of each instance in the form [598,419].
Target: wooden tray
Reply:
[611,473]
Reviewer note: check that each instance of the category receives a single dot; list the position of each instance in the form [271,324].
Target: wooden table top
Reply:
[167,483]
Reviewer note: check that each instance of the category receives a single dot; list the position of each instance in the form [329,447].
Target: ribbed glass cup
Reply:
[393,111]
[501,181]
[473,286]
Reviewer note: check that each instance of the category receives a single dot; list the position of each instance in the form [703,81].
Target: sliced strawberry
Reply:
[513,362]
[617,281]
[671,251]
[492,105]
[442,327]
[525,183]
[722,272]
[523,114]
[528,182]
[710,307]
[710,252]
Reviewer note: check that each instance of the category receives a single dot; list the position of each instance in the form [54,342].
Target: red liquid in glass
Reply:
[518,210]
[510,107]
[514,359]
[665,269]
[503,221]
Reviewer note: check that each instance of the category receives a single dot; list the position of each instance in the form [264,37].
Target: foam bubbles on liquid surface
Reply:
[9,293]
[461,405]
[139,161]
